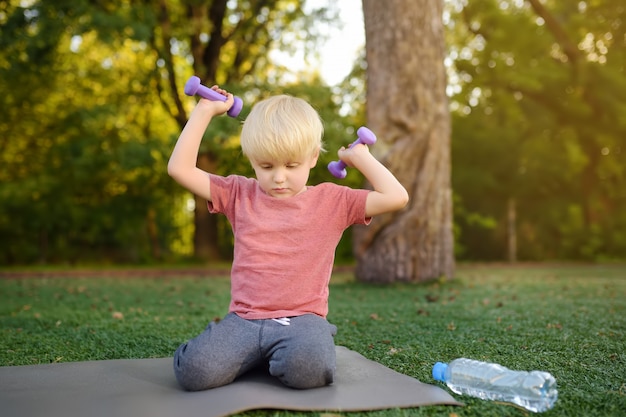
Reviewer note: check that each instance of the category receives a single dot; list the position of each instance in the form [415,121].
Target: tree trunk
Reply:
[512,229]
[205,236]
[408,110]
[205,65]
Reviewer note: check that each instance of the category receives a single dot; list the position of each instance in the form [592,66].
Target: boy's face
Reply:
[283,179]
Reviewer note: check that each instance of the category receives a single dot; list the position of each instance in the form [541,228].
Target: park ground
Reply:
[567,319]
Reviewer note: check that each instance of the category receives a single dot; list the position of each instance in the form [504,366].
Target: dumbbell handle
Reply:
[364,136]
[193,87]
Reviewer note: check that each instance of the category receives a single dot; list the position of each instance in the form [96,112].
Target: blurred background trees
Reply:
[539,121]
[92,103]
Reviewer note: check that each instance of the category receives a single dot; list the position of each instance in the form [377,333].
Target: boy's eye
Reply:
[271,166]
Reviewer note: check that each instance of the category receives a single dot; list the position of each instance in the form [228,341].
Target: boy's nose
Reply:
[279,177]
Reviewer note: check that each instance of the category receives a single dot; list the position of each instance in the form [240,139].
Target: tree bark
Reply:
[408,110]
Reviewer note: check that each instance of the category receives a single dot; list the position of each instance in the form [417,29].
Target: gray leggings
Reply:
[301,355]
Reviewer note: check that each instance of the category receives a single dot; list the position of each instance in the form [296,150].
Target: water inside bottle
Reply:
[536,391]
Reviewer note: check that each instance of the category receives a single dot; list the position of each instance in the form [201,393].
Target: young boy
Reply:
[285,234]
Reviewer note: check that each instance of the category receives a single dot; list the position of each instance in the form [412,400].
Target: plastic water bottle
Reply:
[534,391]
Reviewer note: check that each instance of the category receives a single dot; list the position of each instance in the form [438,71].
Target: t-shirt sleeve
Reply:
[224,191]
[355,200]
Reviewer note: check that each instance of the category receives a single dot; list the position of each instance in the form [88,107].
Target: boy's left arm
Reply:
[388,195]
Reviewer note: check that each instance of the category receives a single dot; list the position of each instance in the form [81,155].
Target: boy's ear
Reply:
[315,157]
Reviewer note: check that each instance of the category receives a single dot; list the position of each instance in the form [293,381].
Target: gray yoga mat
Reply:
[147,387]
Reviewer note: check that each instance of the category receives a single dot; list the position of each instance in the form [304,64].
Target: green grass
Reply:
[567,320]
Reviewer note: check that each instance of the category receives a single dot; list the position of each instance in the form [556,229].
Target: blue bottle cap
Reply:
[439,371]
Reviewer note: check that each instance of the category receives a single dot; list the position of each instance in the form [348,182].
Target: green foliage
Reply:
[92,103]
[567,320]
[83,149]
[536,118]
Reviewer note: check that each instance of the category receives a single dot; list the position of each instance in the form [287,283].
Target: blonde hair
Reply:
[282,128]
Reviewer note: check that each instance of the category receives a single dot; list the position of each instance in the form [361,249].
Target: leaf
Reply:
[432,298]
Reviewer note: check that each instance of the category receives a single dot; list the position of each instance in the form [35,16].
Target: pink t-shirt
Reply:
[284,248]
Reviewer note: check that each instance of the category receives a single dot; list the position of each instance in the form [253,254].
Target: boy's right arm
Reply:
[182,164]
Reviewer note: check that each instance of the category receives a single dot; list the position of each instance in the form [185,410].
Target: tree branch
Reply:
[165,53]
[569,48]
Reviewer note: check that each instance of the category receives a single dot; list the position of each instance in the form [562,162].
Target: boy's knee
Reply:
[319,376]
[305,370]
[195,373]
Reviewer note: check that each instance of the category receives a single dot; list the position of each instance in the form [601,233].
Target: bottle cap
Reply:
[439,371]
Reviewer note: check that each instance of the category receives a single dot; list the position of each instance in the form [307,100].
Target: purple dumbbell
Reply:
[366,137]
[193,87]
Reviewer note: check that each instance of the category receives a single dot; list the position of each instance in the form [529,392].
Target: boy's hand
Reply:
[350,154]
[217,107]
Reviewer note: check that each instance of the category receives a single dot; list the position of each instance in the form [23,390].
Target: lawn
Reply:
[567,320]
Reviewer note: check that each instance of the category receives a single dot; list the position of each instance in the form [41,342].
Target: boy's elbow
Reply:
[397,201]
[173,170]
[403,199]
